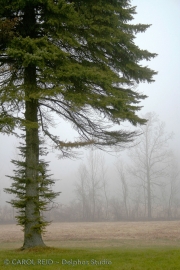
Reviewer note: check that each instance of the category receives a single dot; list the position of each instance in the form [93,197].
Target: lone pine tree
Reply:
[78,60]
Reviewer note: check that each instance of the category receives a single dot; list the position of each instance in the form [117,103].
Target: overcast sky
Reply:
[163,38]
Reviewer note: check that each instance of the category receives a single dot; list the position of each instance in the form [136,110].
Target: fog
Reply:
[163,38]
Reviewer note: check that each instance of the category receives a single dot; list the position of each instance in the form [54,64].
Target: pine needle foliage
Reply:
[85,63]
[45,195]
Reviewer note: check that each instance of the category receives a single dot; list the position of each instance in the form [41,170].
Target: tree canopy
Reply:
[77,59]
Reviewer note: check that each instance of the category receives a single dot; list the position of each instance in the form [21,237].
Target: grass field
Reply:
[118,245]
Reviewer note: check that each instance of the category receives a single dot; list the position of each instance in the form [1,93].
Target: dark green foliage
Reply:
[85,61]
[44,196]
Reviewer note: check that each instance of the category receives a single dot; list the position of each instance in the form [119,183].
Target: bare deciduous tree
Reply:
[149,158]
[104,180]
[170,193]
[91,188]
[124,185]
[82,192]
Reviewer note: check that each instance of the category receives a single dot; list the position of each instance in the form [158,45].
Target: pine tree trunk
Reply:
[32,231]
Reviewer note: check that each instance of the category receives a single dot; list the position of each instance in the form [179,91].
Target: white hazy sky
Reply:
[163,38]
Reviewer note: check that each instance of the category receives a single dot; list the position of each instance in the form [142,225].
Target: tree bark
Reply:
[32,231]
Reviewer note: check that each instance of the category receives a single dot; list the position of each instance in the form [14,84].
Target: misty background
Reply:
[163,38]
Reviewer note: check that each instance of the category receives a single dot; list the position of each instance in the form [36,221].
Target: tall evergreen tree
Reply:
[77,59]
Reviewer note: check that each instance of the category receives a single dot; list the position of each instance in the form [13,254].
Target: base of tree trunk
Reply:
[33,241]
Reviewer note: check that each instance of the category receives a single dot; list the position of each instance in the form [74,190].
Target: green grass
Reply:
[124,257]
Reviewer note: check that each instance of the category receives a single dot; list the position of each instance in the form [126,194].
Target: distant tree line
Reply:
[148,184]
[7,214]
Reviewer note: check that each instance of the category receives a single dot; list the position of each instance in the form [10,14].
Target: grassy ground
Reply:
[123,246]
[127,257]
